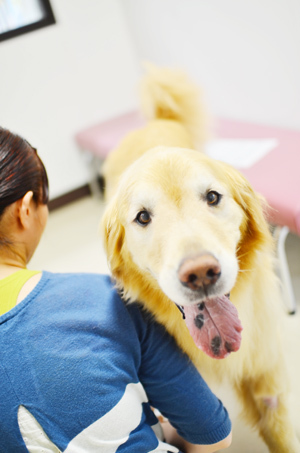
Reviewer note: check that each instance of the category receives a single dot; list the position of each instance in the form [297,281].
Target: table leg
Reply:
[288,292]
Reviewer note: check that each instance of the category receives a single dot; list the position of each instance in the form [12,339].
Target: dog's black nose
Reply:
[200,271]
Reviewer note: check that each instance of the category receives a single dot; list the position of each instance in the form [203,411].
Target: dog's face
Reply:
[183,223]
[178,218]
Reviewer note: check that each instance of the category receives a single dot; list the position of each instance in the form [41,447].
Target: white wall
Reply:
[245,53]
[62,78]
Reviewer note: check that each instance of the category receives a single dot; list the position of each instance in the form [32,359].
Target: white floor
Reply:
[72,243]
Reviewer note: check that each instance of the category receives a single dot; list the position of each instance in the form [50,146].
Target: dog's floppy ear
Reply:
[113,237]
[128,278]
[255,231]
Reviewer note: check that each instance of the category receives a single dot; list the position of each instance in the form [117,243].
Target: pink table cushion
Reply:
[103,137]
[277,175]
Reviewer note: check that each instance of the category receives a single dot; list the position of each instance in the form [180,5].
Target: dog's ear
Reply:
[128,278]
[255,230]
[113,234]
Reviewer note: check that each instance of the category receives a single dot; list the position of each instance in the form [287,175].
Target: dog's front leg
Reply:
[269,413]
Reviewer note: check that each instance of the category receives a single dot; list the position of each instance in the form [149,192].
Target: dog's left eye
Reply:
[213,198]
[143,218]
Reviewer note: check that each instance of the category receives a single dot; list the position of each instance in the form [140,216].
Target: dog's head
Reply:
[183,224]
[174,205]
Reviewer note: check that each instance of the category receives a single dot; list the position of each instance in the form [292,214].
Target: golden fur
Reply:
[162,175]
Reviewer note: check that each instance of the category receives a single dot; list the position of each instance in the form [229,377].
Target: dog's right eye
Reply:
[213,198]
[143,218]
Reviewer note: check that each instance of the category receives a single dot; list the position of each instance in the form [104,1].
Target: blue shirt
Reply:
[87,366]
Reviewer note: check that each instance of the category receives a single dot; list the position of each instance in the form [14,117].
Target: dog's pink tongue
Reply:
[214,326]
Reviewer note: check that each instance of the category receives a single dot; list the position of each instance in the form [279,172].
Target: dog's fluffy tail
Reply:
[169,94]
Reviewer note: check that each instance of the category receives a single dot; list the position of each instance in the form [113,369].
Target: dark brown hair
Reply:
[21,170]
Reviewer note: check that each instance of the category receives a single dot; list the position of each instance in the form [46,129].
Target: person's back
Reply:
[70,355]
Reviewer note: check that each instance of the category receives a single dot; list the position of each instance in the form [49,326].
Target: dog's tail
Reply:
[169,94]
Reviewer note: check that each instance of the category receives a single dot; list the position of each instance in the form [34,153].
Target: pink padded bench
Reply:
[101,138]
[276,176]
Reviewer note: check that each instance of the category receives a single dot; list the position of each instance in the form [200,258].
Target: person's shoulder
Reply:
[81,284]
[79,278]
[82,289]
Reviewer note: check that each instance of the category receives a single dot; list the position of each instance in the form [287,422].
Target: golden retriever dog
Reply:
[187,238]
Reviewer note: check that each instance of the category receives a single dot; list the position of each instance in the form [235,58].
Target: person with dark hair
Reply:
[80,370]
[23,214]
[21,171]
